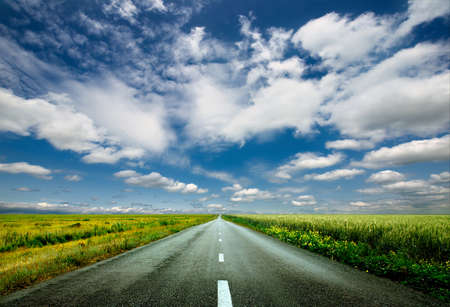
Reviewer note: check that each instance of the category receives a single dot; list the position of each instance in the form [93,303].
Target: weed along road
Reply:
[218,264]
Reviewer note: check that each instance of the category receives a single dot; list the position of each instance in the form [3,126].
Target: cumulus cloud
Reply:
[110,101]
[111,155]
[387,176]
[422,11]
[304,161]
[414,190]
[435,149]
[26,168]
[126,174]
[263,50]
[335,174]
[387,101]
[416,187]
[234,187]
[333,37]
[74,178]
[250,195]
[349,144]
[156,180]
[197,46]
[304,200]
[370,191]
[61,125]
[443,177]
[342,41]
[215,206]
[219,175]
[283,103]
[360,204]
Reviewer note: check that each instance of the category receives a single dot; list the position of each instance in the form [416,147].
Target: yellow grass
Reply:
[38,247]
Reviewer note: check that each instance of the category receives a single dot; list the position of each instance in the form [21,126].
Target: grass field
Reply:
[37,247]
[413,250]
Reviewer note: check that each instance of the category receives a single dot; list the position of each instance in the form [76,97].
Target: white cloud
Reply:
[443,177]
[196,46]
[435,149]
[388,100]
[387,176]
[125,8]
[423,11]
[250,195]
[370,191]
[157,5]
[360,204]
[349,144]
[340,41]
[215,206]
[335,174]
[283,103]
[206,117]
[292,66]
[304,200]
[110,102]
[61,125]
[406,186]
[156,180]
[26,168]
[111,155]
[234,187]
[126,174]
[74,178]
[414,190]
[220,175]
[304,161]
[262,49]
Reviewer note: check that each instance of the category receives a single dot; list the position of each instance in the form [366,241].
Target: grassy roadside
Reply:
[34,248]
[412,250]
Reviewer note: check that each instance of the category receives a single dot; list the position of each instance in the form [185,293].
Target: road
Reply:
[218,264]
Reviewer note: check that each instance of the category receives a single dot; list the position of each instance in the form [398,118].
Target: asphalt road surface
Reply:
[218,264]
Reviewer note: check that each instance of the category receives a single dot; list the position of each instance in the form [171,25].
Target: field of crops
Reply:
[37,247]
[413,250]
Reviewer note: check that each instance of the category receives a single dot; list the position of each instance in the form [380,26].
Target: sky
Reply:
[158,106]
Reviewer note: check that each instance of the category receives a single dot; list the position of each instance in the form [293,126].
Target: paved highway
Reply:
[218,264]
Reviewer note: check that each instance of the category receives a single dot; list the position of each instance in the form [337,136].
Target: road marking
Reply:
[220,240]
[220,233]
[221,258]
[223,294]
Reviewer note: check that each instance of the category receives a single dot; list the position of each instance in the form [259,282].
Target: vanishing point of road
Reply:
[218,264]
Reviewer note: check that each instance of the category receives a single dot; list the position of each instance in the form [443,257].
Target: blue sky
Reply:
[126,106]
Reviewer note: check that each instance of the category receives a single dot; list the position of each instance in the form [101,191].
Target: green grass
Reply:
[413,250]
[38,247]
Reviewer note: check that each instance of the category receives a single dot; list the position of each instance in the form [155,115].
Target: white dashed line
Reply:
[220,240]
[223,294]
[221,258]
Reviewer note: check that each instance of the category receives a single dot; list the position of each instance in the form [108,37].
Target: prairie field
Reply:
[411,249]
[37,247]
